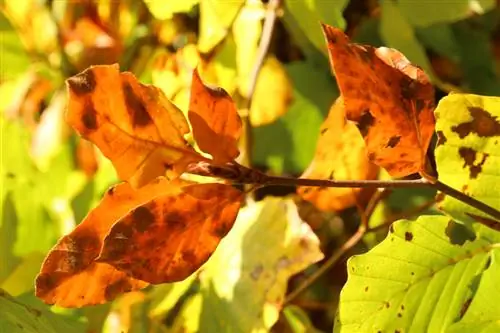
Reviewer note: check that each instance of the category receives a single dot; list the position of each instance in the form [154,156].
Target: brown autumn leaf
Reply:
[134,125]
[170,237]
[341,155]
[70,276]
[215,121]
[391,101]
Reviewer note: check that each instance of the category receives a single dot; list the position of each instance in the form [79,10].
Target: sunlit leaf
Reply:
[273,93]
[390,100]
[468,129]
[135,126]
[340,155]
[216,17]
[164,10]
[421,278]
[243,285]
[309,13]
[215,121]
[247,29]
[169,237]
[13,57]
[482,313]
[288,144]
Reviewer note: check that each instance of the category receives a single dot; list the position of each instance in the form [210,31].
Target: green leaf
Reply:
[425,13]
[416,280]
[476,57]
[216,18]
[164,10]
[165,297]
[19,318]
[399,34]
[298,320]
[288,144]
[467,151]
[482,314]
[13,57]
[244,283]
[22,277]
[309,13]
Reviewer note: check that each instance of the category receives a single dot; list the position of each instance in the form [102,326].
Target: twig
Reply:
[378,196]
[351,242]
[276,180]
[265,40]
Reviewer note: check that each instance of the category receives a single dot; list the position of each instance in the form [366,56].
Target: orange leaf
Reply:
[134,125]
[341,155]
[70,276]
[215,121]
[391,100]
[170,237]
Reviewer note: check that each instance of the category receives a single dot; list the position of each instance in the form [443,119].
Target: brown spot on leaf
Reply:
[469,157]
[89,118]
[408,236]
[135,107]
[393,141]
[175,220]
[188,256]
[483,124]
[143,218]
[366,288]
[464,307]
[117,288]
[391,228]
[365,122]
[83,83]
[441,138]
[400,314]
[257,272]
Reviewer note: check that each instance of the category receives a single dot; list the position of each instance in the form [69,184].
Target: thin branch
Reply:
[351,242]
[376,198]
[467,199]
[265,41]
[276,180]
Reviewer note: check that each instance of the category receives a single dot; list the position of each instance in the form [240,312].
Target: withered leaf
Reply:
[341,155]
[70,276]
[134,125]
[391,100]
[170,237]
[215,121]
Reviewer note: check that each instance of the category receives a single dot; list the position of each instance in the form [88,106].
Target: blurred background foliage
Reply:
[50,178]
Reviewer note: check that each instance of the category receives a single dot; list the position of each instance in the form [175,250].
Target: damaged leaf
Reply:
[467,151]
[390,100]
[134,125]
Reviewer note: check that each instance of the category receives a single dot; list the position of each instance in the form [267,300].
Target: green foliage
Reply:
[13,58]
[418,279]
[295,134]
[17,317]
[425,13]
[468,128]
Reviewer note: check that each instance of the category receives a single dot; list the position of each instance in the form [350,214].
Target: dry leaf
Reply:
[341,155]
[391,100]
[134,125]
[170,237]
[70,276]
[215,121]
